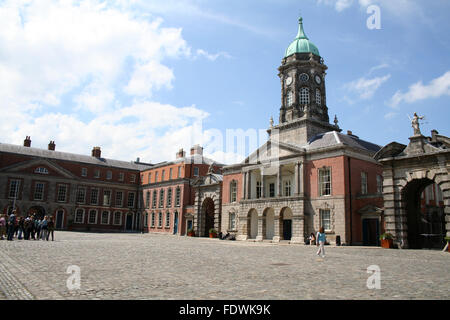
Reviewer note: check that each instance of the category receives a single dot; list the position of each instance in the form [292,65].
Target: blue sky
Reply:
[135,77]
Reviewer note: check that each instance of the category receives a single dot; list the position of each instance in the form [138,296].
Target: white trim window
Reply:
[39,189]
[232,221]
[14,186]
[170,173]
[105,217]
[258,189]
[79,216]
[179,172]
[62,193]
[364,182]
[130,202]
[161,198]
[146,220]
[163,173]
[117,218]
[304,96]
[97,173]
[152,220]
[287,188]
[160,218]
[147,199]
[109,175]
[92,219]
[81,195]
[325,219]
[325,181]
[107,197]
[167,219]
[178,197]
[133,178]
[154,199]
[169,198]
[84,172]
[119,199]
[233,191]
[94,196]
[121,176]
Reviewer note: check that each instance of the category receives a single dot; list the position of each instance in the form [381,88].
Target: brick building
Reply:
[308,174]
[80,192]
[168,192]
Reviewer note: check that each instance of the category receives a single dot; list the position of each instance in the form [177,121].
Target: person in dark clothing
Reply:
[11,225]
[32,228]
[37,227]
[20,225]
[27,228]
[51,228]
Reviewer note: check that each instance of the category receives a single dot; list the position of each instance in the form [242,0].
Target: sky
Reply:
[142,78]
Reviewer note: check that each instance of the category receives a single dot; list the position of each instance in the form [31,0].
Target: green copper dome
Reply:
[301,44]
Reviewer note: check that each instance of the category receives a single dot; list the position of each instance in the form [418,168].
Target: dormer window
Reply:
[41,170]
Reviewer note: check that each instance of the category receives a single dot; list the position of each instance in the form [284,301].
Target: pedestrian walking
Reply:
[20,228]
[32,228]
[12,222]
[37,227]
[51,228]
[2,227]
[321,238]
[44,228]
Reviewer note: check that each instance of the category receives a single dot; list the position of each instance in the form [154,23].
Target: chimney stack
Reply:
[349,133]
[181,153]
[96,152]
[27,142]
[196,150]
[51,145]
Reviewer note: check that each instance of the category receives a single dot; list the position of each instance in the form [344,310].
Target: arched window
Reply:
[232,225]
[304,96]
[233,191]
[289,98]
[318,97]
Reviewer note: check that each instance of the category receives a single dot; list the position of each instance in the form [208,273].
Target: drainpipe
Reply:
[350,198]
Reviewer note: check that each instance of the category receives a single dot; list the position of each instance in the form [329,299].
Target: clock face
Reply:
[318,79]
[304,77]
[288,80]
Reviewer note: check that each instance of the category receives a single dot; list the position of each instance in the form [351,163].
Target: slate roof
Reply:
[334,138]
[66,156]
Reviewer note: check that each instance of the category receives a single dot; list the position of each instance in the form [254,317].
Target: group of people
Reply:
[31,227]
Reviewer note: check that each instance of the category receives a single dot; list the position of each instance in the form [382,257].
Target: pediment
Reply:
[39,167]
[370,209]
[209,179]
[273,151]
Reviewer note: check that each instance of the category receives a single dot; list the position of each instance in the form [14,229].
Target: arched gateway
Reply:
[416,190]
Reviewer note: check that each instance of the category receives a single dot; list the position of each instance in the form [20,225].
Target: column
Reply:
[244,185]
[279,182]
[276,227]
[259,236]
[300,178]
[249,185]
[296,179]
[262,184]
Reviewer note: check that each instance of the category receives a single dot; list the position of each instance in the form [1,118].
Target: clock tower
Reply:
[303,112]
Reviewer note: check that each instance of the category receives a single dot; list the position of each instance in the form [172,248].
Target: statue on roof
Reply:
[415,124]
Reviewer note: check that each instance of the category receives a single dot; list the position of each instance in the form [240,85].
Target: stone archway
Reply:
[407,171]
[285,224]
[207,215]
[38,211]
[425,229]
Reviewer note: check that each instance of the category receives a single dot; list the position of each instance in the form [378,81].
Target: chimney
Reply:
[51,146]
[27,142]
[181,153]
[349,133]
[434,134]
[96,152]
[196,150]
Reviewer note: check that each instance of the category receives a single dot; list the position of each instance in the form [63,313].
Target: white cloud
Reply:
[366,88]
[212,57]
[418,91]
[343,4]
[390,115]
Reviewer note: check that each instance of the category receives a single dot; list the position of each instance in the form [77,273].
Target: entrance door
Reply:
[129,222]
[175,223]
[371,233]
[189,225]
[59,219]
[287,229]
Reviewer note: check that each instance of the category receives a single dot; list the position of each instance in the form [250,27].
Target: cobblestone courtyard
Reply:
[136,266]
